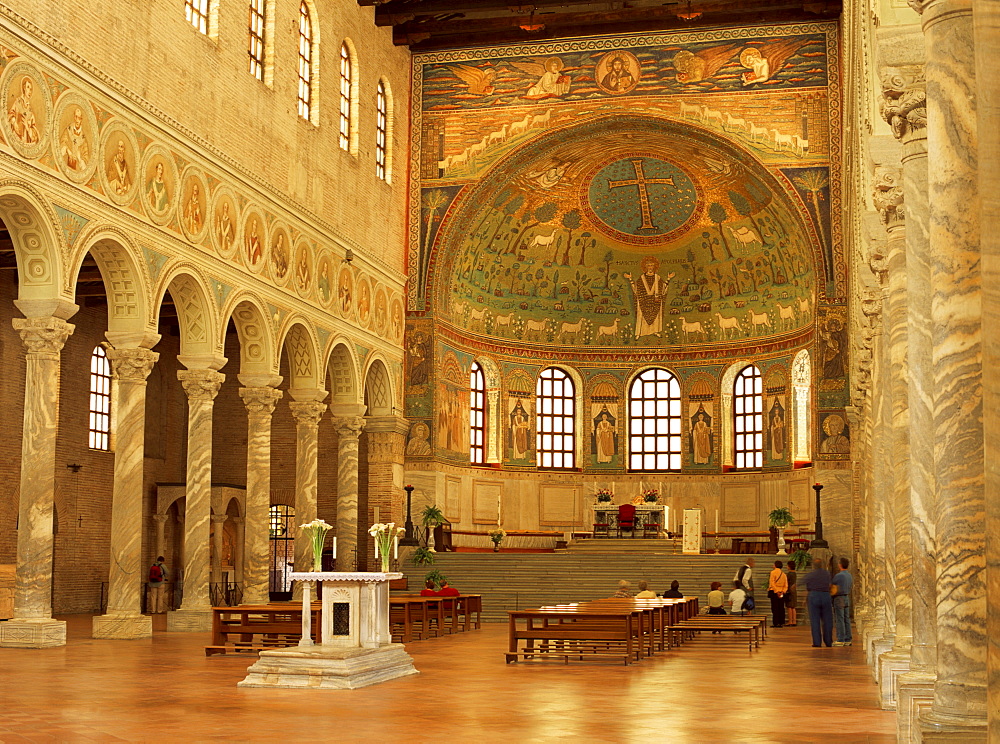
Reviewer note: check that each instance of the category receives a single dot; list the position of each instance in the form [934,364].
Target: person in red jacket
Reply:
[447,591]
[428,590]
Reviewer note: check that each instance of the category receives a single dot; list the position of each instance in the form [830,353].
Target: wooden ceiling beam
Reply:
[457,35]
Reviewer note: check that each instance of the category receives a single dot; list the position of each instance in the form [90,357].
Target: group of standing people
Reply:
[829,603]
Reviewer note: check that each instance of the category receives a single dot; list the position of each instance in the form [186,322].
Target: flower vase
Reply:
[496,547]
[781,541]
[318,560]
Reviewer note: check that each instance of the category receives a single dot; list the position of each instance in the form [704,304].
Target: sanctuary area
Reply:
[565,294]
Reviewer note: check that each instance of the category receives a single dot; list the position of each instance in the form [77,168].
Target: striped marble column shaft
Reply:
[986,16]
[888,200]
[307,416]
[218,532]
[956,315]
[131,367]
[201,386]
[905,109]
[884,479]
[43,340]
[260,402]
[348,430]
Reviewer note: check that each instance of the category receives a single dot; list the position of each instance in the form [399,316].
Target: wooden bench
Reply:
[259,627]
[415,617]
[754,627]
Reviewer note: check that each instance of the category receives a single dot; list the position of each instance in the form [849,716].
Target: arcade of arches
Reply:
[722,263]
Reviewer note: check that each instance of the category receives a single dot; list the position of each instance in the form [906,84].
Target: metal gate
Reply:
[282,529]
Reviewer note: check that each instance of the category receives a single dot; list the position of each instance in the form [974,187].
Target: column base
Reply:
[951,729]
[891,665]
[875,646]
[189,621]
[123,627]
[41,632]
[329,667]
[914,695]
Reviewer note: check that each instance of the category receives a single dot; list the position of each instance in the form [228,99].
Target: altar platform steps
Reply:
[637,545]
[511,581]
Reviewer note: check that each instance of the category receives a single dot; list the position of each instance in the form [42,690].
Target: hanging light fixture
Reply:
[689,15]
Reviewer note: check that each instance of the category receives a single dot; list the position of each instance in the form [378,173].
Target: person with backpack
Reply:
[157,579]
[744,577]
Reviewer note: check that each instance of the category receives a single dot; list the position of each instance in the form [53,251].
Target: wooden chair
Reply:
[601,528]
[626,519]
[650,528]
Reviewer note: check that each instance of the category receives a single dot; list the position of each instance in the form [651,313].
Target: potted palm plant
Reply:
[431,517]
[780,518]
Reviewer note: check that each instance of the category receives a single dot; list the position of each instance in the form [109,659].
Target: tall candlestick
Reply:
[395,547]
[334,547]
[716,521]
[376,515]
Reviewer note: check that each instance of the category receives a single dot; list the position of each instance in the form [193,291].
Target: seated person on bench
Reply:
[736,597]
[674,592]
[428,590]
[447,591]
[644,592]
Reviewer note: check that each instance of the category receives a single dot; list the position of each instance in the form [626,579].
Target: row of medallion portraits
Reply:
[95,149]
[438,403]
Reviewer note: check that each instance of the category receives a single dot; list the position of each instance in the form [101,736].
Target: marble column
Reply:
[32,625]
[495,437]
[195,613]
[986,17]
[904,108]
[348,430]
[260,402]
[888,200]
[123,618]
[161,533]
[959,707]
[386,445]
[239,554]
[307,415]
[218,532]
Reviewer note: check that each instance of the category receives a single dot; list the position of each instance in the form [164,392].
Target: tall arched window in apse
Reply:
[555,432]
[306,51]
[655,421]
[196,12]
[802,393]
[100,400]
[477,415]
[748,406]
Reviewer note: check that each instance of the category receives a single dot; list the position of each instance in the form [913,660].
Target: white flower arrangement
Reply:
[386,535]
[316,531]
[497,535]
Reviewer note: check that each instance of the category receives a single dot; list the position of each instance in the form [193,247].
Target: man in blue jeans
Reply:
[820,608]
[842,603]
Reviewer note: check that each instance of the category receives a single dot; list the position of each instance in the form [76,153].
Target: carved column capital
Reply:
[161,518]
[904,100]
[260,400]
[219,518]
[871,307]
[349,426]
[887,195]
[878,261]
[237,520]
[133,365]
[307,413]
[43,337]
[201,384]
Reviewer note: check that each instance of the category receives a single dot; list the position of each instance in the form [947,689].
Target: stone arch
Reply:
[125,282]
[253,327]
[314,67]
[196,315]
[802,406]
[378,388]
[580,430]
[342,369]
[494,415]
[32,225]
[303,368]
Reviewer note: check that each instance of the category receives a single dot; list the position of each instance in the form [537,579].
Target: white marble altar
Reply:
[353,652]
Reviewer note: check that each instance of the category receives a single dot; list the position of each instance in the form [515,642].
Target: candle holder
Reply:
[819,542]
[408,539]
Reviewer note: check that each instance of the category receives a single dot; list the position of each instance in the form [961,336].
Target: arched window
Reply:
[477,415]
[555,433]
[802,392]
[306,52]
[100,400]
[345,98]
[748,423]
[381,131]
[196,11]
[255,37]
[655,421]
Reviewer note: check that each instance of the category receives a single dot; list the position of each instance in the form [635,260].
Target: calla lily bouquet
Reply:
[316,531]
[386,537]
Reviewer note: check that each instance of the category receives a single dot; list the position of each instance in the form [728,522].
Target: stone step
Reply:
[510,581]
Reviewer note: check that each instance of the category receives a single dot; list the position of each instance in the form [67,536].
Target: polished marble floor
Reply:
[710,690]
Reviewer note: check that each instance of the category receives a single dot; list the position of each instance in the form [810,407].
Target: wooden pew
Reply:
[259,627]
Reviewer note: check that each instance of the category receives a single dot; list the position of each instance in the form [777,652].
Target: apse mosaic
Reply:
[63,130]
